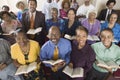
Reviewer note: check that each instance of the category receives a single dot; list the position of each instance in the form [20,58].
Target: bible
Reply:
[69,37]
[93,38]
[73,73]
[34,31]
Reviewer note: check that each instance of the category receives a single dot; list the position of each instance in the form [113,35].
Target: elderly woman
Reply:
[55,21]
[112,24]
[24,52]
[82,54]
[91,23]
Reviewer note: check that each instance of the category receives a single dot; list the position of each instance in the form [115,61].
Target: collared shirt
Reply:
[108,13]
[82,10]
[106,54]
[34,14]
[5,52]
[82,57]
[47,50]
[94,28]
[59,23]
[115,29]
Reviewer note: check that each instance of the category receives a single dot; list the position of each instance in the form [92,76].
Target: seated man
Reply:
[7,69]
[105,51]
[56,48]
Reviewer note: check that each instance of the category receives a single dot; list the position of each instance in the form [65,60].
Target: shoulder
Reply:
[96,45]
[33,42]
[64,41]
[14,46]
[46,45]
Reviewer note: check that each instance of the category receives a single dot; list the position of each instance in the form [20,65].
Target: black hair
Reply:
[110,1]
[107,29]
[5,6]
[72,10]
[33,0]
[111,15]
[5,12]
[82,28]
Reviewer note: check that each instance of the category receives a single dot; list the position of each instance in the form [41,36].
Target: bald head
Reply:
[54,34]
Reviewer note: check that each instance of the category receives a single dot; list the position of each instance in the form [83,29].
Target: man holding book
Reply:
[106,51]
[54,49]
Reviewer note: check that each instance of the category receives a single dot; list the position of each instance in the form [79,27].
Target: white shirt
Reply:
[108,12]
[82,10]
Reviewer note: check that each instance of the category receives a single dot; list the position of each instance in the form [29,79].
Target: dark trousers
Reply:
[96,75]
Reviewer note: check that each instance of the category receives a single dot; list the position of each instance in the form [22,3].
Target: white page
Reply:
[77,72]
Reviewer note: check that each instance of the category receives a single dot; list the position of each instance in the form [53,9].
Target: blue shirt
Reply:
[60,23]
[115,29]
[47,50]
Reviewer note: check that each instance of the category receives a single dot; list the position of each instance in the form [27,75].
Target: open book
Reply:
[26,68]
[53,62]
[109,64]
[69,37]
[73,73]
[93,38]
[34,31]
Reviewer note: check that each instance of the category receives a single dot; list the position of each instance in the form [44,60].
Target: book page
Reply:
[32,67]
[90,38]
[21,70]
[67,70]
[95,38]
[38,30]
[52,62]
[77,72]
[31,31]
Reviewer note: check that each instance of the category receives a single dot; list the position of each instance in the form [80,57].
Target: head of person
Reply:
[73,1]
[113,18]
[20,5]
[81,35]
[87,2]
[5,8]
[107,37]
[110,4]
[54,12]
[54,34]
[6,16]
[49,1]
[92,14]
[21,37]
[65,4]
[32,4]
[71,13]
[57,1]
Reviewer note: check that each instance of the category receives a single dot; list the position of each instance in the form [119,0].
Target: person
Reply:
[83,9]
[55,21]
[74,4]
[57,4]
[65,8]
[104,14]
[112,24]
[7,69]
[33,19]
[55,48]
[22,8]
[46,8]
[91,23]
[105,51]
[9,25]
[71,23]
[24,52]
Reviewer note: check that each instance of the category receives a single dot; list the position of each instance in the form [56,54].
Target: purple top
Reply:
[92,28]
[63,13]
[82,58]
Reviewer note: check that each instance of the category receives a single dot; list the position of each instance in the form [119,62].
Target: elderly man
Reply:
[7,69]
[54,49]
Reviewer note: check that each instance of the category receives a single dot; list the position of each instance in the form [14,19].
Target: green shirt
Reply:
[106,54]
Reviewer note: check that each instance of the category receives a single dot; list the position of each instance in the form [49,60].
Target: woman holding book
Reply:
[24,52]
[82,54]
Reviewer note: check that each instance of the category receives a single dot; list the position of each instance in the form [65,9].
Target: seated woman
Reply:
[9,24]
[105,51]
[91,23]
[24,52]
[65,8]
[112,24]
[55,21]
[82,54]
[7,68]
[71,23]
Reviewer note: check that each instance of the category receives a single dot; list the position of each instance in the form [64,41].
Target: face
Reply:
[106,38]
[87,1]
[111,5]
[6,17]
[21,6]
[113,18]
[54,14]
[21,39]
[71,15]
[32,6]
[92,15]
[49,1]
[54,35]
[66,5]
[81,37]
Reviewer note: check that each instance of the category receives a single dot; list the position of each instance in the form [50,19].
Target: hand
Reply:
[54,68]
[60,65]
[2,66]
